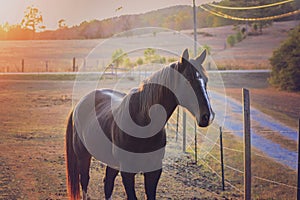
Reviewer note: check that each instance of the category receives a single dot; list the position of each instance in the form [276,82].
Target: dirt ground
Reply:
[32,166]
[32,125]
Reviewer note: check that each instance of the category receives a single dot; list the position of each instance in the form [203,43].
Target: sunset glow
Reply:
[77,11]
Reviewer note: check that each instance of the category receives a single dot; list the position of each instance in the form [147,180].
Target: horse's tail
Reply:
[72,163]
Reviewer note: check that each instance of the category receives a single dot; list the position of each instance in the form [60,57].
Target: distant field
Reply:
[251,53]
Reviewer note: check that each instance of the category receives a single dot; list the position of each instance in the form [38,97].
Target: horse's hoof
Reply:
[85,196]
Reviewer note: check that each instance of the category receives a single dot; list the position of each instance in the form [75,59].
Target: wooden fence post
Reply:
[222,159]
[74,64]
[247,145]
[298,183]
[47,69]
[23,65]
[184,131]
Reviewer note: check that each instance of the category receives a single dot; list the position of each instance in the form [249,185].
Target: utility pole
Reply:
[195,28]
[246,17]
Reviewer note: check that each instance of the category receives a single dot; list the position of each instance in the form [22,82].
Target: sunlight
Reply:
[12,11]
[6,27]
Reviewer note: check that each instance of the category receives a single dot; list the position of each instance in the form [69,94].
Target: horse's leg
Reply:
[151,180]
[84,161]
[109,180]
[84,166]
[128,182]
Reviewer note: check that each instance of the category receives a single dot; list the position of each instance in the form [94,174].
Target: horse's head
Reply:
[191,88]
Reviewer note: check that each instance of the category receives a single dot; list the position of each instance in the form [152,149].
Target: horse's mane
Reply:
[154,87]
[151,93]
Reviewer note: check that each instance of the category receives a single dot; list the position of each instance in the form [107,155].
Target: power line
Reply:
[226,16]
[251,7]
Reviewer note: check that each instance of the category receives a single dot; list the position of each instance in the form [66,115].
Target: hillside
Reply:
[178,18]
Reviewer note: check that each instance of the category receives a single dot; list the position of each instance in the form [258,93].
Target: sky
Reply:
[77,11]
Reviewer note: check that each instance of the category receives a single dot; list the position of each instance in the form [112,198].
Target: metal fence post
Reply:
[222,159]
[184,131]
[247,144]
[177,121]
[298,183]
[196,151]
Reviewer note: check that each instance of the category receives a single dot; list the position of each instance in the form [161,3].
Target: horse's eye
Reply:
[197,75]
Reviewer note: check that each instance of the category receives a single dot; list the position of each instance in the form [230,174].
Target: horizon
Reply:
[54,10]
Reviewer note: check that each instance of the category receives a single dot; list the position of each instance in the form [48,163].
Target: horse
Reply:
[126,131]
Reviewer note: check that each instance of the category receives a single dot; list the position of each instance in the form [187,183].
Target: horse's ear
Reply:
[184,57]
[200,59]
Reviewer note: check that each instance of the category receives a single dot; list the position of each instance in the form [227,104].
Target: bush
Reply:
[239,36]
[140,61]
[207,48]
[171,59]
[231,40]
[285,63]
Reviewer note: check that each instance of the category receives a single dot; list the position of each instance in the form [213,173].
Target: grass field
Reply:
[251,53]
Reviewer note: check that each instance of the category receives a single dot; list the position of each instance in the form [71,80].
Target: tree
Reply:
[118,57]
[32,19]
[62,24]
[285,63]
[151,56]
[127,63]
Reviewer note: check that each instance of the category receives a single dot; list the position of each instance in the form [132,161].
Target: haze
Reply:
[77,11]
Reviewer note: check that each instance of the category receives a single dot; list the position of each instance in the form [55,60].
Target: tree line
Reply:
[175,18]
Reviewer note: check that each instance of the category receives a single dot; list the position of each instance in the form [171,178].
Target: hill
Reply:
[178,18]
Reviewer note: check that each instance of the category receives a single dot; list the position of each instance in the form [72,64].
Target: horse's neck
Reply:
[144,100]
[166,99]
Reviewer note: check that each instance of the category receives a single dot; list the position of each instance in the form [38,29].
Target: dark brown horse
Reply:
[126,131]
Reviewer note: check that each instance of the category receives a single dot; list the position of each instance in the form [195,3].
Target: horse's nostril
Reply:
[205,118]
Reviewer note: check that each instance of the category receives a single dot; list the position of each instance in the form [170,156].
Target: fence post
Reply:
[196,151]
[47,66]
[222,159]
[247,145]
[298,183]
[184,131]
[23,65]
[177,120]
[74,64]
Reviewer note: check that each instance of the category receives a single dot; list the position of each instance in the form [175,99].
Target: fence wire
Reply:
[174,121]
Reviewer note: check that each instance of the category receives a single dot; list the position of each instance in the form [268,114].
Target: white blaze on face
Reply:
[204,91]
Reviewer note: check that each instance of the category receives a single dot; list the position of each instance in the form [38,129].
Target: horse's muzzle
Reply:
[206,119]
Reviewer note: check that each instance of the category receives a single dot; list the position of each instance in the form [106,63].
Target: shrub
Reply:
[231,40]
[239,36]
[171,59]
[127,63]
[140,61]
[285,63]
[207,48]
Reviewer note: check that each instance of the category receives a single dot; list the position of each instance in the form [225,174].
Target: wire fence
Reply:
[212,160]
